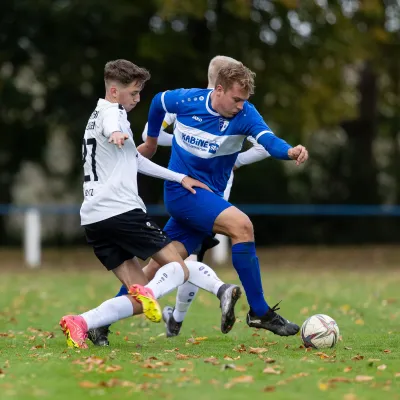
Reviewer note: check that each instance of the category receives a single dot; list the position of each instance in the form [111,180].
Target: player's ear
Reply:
[114,91]
[219,89]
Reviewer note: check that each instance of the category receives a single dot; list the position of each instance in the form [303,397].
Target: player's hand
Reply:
[118,138]
[189,183]
[298,153]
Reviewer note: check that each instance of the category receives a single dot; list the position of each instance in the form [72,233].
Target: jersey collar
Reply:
[208,105]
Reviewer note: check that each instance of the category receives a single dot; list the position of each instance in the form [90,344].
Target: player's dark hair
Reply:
[236,73]
[125,72]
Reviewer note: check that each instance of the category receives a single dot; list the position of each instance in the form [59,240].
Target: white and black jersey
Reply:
[110,174]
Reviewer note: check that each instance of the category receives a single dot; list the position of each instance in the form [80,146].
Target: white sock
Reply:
[108,312]
[184,298]
[203,276]
[167,279]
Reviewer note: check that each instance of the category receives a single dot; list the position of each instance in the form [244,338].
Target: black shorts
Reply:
[120,238]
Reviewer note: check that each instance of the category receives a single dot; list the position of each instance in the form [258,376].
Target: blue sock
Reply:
[246,264]
[122,291]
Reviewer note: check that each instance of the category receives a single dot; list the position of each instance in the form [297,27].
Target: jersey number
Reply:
[86,143]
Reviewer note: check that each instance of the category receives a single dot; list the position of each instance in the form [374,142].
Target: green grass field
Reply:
[202,363]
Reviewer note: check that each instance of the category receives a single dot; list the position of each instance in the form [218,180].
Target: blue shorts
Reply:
[192,215]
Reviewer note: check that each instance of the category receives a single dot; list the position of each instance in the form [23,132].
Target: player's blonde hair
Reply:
[125,72]
[215,65]
[238,73]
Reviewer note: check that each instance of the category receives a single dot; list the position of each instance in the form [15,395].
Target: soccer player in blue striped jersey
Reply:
[211,126]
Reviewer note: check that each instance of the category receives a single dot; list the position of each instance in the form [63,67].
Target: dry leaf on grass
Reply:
[172,350]
[347,369]
[397,375]
[240,349]
[152,376]
[293,377]
[321,355]
[270,370]
[239,379]
[350,396]
[363,378]
[269,360]
[257,350]
[211,360]
[348,348]
[387,351]
[358,357]
[269,388]
[374,359]
[149,366]
[382,367]
[339,379]
[180,356]
[39,346]
[163,363]
[88,384]
[229,358]
[113,368]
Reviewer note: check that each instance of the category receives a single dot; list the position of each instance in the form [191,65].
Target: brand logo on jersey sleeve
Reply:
[223,124]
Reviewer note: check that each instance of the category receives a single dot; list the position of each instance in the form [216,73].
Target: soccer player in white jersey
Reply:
[210,128]
[114,216]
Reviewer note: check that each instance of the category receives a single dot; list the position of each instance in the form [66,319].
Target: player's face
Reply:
[128,96]
[231,101]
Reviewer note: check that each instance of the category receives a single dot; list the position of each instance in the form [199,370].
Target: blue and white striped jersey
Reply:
[205,144]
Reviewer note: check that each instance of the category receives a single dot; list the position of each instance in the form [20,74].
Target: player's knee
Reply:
[244,230]
[185,271]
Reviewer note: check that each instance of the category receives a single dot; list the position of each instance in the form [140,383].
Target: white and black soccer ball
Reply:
[319,332]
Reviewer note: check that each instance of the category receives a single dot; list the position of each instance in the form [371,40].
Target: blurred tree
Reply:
[320,65]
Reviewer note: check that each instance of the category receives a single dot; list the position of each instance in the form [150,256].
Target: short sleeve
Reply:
[111,121]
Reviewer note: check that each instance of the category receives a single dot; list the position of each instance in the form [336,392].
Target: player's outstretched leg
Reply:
[99,336]
[75,327]
[174,316]
[237,225]
[172,326]
[205,278]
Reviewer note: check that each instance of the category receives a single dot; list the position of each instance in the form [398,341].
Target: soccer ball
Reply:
[319,332]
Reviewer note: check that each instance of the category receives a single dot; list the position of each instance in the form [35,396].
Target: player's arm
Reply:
[254,154]
[275,146]
[149,168]
[149,147]
[111,127]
